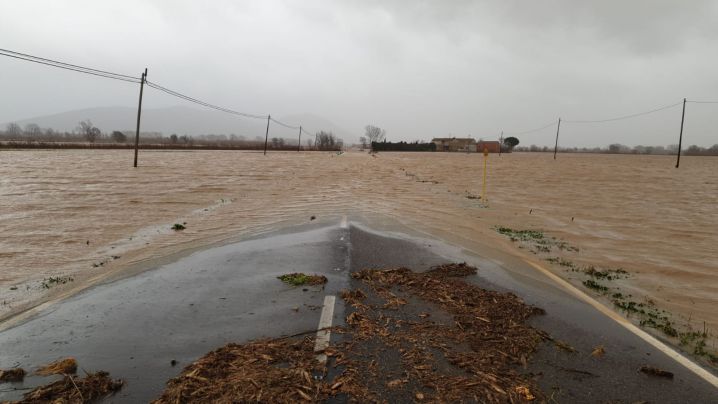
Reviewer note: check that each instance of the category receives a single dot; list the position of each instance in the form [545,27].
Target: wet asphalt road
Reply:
[134,328]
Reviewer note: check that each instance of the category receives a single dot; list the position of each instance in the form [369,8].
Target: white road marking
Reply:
[323,334]
[344,223]
[690,365]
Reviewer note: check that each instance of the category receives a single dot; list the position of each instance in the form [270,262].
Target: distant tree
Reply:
[694,150]
[174,138]
[374,134]
[363,142]
[33,129]
[13,129]
[275,142]
[88,130]
[511,142]
[614,148]
[118,137]
[326,141]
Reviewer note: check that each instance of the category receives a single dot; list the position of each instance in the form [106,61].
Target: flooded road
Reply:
[81,216]
[137,327]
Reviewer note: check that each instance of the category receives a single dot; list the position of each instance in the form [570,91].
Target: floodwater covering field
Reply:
[73,217]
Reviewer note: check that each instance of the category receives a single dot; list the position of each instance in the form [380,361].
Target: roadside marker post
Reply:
[483,187]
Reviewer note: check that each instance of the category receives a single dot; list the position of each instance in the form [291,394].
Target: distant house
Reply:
[455,144]
[492,146]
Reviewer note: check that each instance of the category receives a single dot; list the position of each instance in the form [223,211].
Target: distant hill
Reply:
[184,120]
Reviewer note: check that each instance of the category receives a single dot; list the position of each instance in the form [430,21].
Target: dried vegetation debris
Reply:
[59,367]
[70,389]
[12,375]
[470,348]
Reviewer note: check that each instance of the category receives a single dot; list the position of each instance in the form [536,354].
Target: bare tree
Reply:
[374,134]
[88,130]
[325,141]
[119,137]
[13,129]
[33,129]
[363,142]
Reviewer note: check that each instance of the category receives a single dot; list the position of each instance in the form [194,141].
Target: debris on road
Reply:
[61,367]
[651,371]
[471,348]
[299,279]
[12,375]
[90,388]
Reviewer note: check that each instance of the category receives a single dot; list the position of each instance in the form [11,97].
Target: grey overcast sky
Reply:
[419,69]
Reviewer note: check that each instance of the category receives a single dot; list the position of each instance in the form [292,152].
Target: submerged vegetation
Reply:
[47,283]
[645,312]
[535,239]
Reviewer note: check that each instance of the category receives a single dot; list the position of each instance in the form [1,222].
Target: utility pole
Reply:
[139,114]
[555,148]
[501,141]
[299,143]
[680,137]
[266,135]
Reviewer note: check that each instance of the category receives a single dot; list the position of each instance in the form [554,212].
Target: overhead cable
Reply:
[624,116]
[203,103]
[67,66]
[283,124]
[531,130]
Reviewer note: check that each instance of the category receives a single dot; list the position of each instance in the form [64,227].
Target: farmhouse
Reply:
[492,146]
[455,144]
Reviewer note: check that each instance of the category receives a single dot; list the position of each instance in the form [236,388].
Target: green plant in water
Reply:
[591,284]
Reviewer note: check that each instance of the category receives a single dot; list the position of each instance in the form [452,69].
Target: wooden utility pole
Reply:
[680,137]
[299,142]
[555,148]
[266,135]
[139,114]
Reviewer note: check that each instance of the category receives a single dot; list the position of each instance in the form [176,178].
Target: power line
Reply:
[284,124]
[703,102]
[625,116]
[203,103]
[68,66]
[531,130]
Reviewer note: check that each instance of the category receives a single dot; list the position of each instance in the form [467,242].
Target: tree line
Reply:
[87,135]
[617,148]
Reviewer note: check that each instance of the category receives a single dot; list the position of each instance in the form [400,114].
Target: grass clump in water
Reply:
[591,284]
[299,279]
[606,274]
[522,235]
[47,283]
[179,226]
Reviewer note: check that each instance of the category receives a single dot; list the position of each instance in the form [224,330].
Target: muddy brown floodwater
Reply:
[74,217]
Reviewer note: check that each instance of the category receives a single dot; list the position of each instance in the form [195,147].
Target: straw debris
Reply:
[60,367]
[470,348]
[90,388]
[12,375]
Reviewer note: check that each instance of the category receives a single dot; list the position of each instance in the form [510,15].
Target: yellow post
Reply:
[483,188]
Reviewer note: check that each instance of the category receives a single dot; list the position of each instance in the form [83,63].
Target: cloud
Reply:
[419,69]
